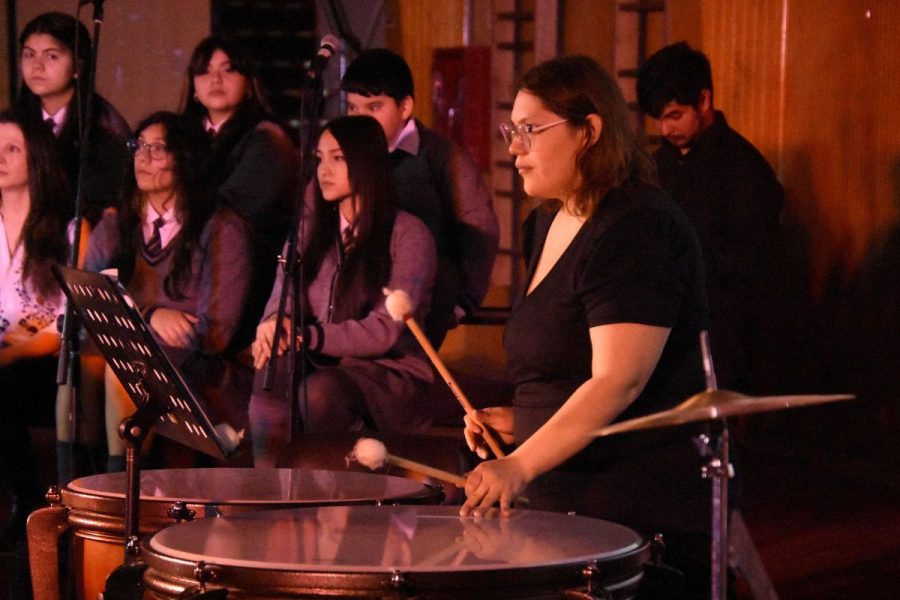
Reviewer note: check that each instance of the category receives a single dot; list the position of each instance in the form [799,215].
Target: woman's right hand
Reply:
[498,418]
[262,345]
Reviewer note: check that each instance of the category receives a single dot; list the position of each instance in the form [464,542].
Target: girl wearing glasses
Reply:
[607,329]
[253,165]
[33,237]
[185,262]
[371,373]
[54,55]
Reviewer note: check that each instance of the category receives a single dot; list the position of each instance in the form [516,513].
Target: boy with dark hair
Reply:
[728,190]
[436,181]
[676,73]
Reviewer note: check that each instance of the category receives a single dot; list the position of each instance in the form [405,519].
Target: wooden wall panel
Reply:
[742,39]
[842,87]
[684,21]
[422,27]
[589,27]
[813,84]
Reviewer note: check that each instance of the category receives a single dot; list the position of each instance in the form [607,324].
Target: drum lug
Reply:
[589,572]
[398,581]
[179,512]
[53,495]
[201,594]
[203,573]
[132,546]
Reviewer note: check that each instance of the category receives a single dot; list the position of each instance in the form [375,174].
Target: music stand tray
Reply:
[124,339]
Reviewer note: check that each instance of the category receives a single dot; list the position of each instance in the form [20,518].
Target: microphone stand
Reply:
[292,264]
[69,366]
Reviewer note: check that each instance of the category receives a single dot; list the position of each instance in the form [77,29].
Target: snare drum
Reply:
[395,552]
[96,504]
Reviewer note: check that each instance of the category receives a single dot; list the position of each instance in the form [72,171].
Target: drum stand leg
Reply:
[45,526]
[744,559]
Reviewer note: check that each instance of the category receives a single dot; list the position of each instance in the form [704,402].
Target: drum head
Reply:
[428,550]
[248,488]
[97,503]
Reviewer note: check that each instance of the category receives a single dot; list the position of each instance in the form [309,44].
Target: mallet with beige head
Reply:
[373,454]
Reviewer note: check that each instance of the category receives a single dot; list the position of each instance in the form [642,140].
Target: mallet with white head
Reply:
[373,454]
[399,305]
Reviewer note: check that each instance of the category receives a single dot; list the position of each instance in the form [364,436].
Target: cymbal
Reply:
[717,404]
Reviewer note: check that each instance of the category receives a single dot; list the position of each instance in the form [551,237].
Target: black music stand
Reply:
[163,398]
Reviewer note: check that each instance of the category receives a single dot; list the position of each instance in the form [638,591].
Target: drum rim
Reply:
[77,496]
[620,575]
[624,570]
[637,546]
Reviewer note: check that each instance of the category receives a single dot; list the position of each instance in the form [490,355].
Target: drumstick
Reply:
[399,306]
[373,454]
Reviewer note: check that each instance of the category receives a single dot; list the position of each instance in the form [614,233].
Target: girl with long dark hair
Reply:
[355,242]
[185,261]
[253,164]
[54,56]
[33,238]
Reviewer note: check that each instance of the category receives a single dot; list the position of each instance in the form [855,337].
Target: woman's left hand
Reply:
[174,327]
[501,480]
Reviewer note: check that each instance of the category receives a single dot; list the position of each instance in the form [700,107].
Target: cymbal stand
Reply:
[718,469]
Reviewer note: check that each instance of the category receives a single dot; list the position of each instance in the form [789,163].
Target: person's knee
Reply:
[331,403]
[268,416]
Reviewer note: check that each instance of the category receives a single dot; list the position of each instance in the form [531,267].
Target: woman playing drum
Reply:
[608,328]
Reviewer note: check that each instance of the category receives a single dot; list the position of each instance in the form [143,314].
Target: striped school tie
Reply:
[348,239]
[154,244]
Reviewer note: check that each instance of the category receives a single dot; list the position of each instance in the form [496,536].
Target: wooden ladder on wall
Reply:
[513,54]
[631,48]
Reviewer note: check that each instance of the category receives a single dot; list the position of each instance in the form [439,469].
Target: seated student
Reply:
[253,166]
[435,181]
[186,263]
[33,237]
[55,55]
[355,242]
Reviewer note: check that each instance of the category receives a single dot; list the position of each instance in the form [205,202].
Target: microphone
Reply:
[328,48]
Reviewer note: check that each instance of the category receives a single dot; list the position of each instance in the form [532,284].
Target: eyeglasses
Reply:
[523,132]
[157,151]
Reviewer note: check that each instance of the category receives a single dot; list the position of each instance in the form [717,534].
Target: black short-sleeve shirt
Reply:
[636,260]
